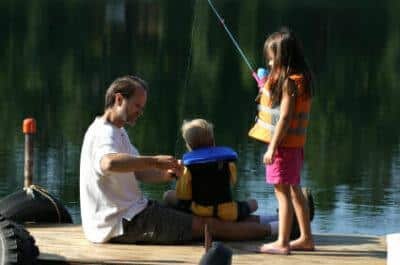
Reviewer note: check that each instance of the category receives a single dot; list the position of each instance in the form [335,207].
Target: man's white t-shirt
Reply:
[106,197]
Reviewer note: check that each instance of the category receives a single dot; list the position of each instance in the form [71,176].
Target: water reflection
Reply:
[58,57]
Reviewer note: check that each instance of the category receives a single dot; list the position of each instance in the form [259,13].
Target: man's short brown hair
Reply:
[126,86]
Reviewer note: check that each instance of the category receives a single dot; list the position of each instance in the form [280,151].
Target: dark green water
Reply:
[57,58]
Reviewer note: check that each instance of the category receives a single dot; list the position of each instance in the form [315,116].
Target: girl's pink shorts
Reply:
[286,166]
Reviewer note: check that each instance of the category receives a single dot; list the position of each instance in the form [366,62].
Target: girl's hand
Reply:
[269,156]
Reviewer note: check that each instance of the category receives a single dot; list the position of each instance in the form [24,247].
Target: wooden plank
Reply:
[66,244]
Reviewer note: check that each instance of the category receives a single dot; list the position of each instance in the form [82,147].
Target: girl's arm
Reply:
[286,112]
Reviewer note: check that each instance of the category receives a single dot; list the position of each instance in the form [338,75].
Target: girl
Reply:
[284,107]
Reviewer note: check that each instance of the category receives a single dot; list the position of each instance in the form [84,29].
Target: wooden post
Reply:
[28,128]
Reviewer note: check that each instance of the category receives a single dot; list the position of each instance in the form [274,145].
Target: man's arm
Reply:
[121,162]
[161,175]
[154,175]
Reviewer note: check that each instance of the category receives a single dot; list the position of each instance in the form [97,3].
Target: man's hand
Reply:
[179,169]
[165,162]
[169,175]
[175,173]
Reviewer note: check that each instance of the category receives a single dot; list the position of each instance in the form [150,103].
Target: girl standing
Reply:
[284,107]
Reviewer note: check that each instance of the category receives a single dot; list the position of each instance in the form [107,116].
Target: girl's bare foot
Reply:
[302,245]
[274,248]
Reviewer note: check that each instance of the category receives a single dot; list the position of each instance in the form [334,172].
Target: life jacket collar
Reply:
[209,154]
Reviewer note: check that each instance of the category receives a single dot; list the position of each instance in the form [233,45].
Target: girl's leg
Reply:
[305,241]
[281,245]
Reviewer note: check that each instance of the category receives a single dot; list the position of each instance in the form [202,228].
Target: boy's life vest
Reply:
[268,117]
[206,182]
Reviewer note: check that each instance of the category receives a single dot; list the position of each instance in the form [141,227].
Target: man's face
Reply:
[133,107]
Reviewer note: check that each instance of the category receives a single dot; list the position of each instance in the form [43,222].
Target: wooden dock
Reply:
[66,244]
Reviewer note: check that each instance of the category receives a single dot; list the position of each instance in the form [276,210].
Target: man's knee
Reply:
[169,197]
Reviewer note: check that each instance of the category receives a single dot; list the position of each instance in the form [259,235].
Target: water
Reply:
[57,58]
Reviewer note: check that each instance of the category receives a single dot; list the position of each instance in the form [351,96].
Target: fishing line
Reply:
[235,43]
[190,57]
[179,143]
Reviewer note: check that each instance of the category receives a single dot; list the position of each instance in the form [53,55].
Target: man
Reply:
[113,207]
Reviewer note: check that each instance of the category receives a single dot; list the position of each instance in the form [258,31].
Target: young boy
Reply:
[210,171]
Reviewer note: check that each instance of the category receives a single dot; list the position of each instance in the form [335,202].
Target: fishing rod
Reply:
[235,43]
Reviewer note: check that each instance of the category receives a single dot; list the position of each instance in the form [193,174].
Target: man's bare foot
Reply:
[253,205]
[302,245]
[274,248]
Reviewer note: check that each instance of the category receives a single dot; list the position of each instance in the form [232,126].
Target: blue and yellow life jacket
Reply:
[206,182]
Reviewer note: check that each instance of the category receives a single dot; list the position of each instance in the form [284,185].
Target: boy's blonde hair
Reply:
[198,133]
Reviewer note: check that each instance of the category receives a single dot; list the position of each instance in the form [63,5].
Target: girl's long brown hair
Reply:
[288,60]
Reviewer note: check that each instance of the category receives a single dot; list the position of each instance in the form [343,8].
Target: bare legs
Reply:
[224,230]
[248,229]
[169,198]
[305,241]
[281,245]
[291,198]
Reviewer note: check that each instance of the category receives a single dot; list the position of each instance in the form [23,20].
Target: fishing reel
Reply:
[261,78]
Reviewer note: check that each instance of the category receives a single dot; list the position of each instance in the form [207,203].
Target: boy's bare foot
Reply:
[302,245]
[274,248]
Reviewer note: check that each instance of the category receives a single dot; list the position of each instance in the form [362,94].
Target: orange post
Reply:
[28,128]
